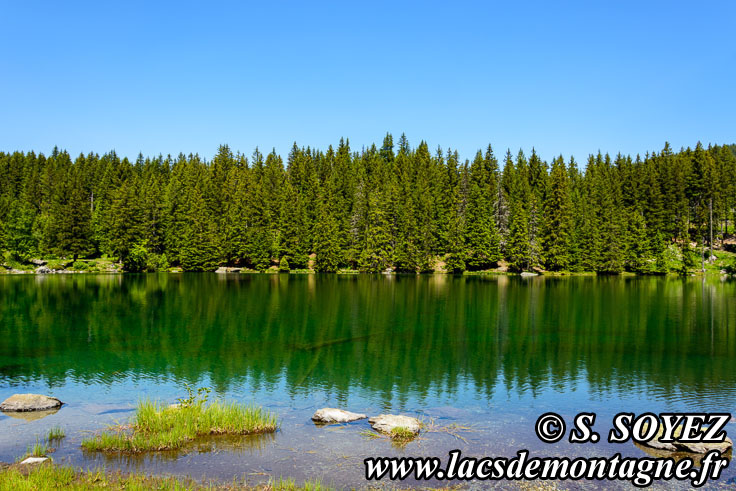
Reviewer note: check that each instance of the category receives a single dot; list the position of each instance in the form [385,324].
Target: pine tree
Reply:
[326,246]
[482,240]
[124,228]
[199,247]
[518,250]
[639,256]
[375,256]
[294,230]
[558,210]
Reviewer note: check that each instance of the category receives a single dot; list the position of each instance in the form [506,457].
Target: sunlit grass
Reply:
[55,433]
[401,434]
[47,476]
[38,449]
[158,427]
[290,485]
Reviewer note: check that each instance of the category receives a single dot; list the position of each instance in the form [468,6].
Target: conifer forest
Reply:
[388,207]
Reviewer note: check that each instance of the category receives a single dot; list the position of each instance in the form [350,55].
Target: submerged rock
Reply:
[387,422]
[692,447]
[29,402]
[528,273]
[333,415]
[44,270]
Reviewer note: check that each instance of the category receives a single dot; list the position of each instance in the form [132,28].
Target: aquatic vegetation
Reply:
[193,398]
[55,433]
[38,449]
[290,485]
[402,434]
[159,427]
[46,476]
[453,429]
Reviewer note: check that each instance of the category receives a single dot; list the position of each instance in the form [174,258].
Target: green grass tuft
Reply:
[47,476]
[158,427]
[289,485]
[402,434]
[38,449]
[55,433]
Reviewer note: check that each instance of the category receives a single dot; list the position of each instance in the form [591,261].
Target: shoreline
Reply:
[525,274]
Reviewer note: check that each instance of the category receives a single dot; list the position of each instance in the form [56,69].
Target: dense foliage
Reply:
[390,207]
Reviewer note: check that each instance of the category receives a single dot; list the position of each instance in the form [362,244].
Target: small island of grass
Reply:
[157,427]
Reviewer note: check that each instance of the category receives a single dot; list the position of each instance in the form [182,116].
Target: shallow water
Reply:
[492,353]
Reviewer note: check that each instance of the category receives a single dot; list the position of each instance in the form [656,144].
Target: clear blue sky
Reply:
[565,77]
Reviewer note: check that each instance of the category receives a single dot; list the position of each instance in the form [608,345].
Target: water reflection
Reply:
[668,339]
[29,415]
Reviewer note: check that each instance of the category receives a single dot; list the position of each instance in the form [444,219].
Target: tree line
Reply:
[390,207]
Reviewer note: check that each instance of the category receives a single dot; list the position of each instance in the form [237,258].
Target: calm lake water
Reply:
[491,353]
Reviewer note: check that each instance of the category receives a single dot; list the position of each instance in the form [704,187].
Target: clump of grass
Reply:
[46,476]
[38,449]
[159,427]
[55,433]
[57,477]
[402,434]
[289,485]
[370,435]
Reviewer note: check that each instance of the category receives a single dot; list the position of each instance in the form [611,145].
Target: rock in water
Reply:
[387,422]
[693,447]
[701,447]
[29,402]
[333,415]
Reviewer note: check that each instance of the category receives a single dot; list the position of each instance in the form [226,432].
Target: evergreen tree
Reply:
[199,242]
[326,247]
[558,210]
[384,207]
[482,240]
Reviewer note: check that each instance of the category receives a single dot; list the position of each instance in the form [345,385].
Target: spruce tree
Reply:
[559,224]
[326,246]
[375,257]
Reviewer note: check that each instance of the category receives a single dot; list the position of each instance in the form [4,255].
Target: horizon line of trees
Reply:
[392,206]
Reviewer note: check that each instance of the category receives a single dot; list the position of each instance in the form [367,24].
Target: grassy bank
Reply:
[157,427]
[48,476]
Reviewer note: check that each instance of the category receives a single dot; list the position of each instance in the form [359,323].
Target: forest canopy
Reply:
[390,207]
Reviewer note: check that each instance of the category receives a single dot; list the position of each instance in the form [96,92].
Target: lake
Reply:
[490,353]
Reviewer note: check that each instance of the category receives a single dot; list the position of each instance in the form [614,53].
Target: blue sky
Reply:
[564,77]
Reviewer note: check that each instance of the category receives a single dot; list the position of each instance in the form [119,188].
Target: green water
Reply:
[491,352]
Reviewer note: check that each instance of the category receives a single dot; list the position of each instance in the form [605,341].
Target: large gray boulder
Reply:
[333,415]
[385,423]
[29,402]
